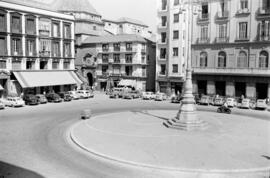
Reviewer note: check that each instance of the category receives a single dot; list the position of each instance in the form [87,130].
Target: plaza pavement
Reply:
[232,146]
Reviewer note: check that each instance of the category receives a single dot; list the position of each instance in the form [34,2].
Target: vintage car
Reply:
[219,101]
[261,104]
[204,100]
[148,95]
[14,102]
[245,104]
[53,97]
[160,97]
[30,99]
[41,99]
[230,102]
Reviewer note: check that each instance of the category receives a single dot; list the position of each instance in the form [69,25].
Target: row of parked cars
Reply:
[31,99]
[245,103]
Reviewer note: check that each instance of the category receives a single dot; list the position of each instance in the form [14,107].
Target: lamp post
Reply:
[187,118]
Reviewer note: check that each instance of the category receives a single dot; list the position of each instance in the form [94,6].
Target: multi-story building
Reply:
[172,46]
[36,50]
[231,48]
[126,25]
[119,57]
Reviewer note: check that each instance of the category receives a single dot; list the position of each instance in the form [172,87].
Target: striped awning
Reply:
[30,79]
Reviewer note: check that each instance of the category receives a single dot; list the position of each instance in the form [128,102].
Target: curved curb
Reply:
[265,171]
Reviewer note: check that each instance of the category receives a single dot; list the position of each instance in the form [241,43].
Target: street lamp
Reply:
[187,118]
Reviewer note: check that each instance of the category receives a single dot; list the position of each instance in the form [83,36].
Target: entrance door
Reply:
[202,87]
[240,89]
[220,88]
[90,79]
[261,90]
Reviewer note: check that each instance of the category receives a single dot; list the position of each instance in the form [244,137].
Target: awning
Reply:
[46,78]
[124,82]
[1,87]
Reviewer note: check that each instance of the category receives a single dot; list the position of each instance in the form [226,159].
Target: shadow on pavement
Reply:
[11,171]
[149,114]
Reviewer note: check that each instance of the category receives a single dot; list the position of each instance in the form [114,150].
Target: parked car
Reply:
[53,97]
[231,102]
[148,95]
[117,93]
[245,103]
[2,105]
[65,96]
[41,99]
[261,104]
[30,99]
[74,95]
[176,98]
[160,97]
[204,100]
[14,102]
[218,101]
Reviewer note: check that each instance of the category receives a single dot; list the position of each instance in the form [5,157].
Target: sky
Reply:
[143,10]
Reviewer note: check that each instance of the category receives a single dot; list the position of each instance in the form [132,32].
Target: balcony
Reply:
[203,18]
[263,12]
[105,49]
[245,11]
[263,38]
[163,41]
[44,53]
[203,40]
[233,71]
[105,61]
[162,25]
[222,15]
[116,61]
[222,39]
[116,49]
[242,39]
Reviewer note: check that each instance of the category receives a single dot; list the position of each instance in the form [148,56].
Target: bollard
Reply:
[86,114]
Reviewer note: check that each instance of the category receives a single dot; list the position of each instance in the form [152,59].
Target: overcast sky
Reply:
[143,10]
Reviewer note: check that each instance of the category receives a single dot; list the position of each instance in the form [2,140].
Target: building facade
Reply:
[231,49]
[119,57]
[172,46]
[36,50]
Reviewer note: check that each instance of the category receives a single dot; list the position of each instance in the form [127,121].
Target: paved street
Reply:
[34,144]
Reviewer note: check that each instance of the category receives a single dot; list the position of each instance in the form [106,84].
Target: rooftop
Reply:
[115,39]
[126,20]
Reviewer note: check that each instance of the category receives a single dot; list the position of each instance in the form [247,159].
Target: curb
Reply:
[70,133]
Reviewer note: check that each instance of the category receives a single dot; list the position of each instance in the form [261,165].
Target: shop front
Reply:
[4,78]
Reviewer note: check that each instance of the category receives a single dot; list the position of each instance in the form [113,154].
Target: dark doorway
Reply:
[177,86]
[103,85]
[261,90]
[220,88]
[202,87]
[90,79]
[240,89]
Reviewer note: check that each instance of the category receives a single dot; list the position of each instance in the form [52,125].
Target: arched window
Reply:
[203,59]
[221,59]
[263,60]
[242,60]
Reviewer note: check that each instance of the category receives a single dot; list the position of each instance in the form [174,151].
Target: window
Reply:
[144,71]
[116,58]
[104,69]
[128,70]
[16,64]
[2,22]
[67,31]
[263,60]
[55,64]
[67,50]
[263,30]
[163,37]
[116,69]
[164,21]
[43,64]
[116,46]
[3,45]
[176,2]
[175,34]
[55,30]
[163,53]
[162,69]
[128,58]
[15,24]
[105,58]
[105,47]
[175,68]
[175,51]
[204,11]
[66,64]
[221,59]
[45,47]
[203,59]
[176,18]
[44,27]
[56,49]
[163,4]
[16,46]
[30,65]
[94,27]
[243,30]
[243,4]
[204,32]
[129,46]
[30,47]
[242,61]
[3,64]
[30,26]
[266,4]
[222,32]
